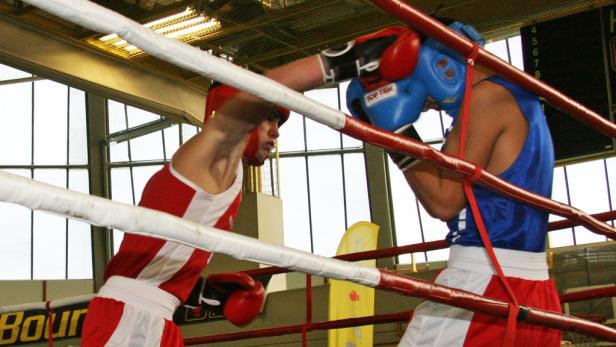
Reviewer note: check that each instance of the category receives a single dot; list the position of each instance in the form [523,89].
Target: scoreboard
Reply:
[576,55]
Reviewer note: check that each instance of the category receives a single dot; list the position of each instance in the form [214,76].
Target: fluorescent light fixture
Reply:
[187,12]
[109,37]
[192,30]
[186,26]
[183,24]
[131,48]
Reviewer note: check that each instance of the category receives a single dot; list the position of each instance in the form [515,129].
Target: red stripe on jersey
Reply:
[163,192]
[226,220]
[184,280]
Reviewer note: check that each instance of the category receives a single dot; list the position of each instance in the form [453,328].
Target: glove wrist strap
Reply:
[339,63]
[404,161]
[358,58]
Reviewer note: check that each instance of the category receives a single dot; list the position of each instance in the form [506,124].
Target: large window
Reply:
[588,187]
[43,137]
[135,160]
[323,180]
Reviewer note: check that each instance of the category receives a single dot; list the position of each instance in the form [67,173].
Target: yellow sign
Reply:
[33,326]
[350,300]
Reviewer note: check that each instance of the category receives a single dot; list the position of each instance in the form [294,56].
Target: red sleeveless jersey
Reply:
[168,265]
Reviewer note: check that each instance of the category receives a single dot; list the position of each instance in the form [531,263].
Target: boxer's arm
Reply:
[238,117]
[210,158]
[402,160]
[496,134]
[244,111]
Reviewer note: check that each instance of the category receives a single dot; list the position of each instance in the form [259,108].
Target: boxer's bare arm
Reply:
[496,133]
[210,158]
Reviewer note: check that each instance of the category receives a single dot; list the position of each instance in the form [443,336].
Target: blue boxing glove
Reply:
[391,106]
[395,103]
[394,107]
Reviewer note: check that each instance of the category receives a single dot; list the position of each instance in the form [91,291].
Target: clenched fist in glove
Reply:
[386,54]
[240,296]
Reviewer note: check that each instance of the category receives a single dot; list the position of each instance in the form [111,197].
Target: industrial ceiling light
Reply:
[187,26]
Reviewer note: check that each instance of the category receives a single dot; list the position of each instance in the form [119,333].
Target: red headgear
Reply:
[217,96]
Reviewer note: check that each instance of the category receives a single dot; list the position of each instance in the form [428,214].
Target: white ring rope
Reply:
[98,18]
[143,221]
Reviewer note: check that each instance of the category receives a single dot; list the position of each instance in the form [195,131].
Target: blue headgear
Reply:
[440,73]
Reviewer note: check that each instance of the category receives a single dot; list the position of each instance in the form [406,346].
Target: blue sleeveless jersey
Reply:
[510,224]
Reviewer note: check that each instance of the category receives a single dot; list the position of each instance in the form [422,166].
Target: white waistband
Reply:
[521,264]
[141,295]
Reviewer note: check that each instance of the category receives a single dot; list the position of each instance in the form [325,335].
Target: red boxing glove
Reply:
[241,296]
[243,306]
[391,54]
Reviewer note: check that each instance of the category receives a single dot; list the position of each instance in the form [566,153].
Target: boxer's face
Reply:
[268,133]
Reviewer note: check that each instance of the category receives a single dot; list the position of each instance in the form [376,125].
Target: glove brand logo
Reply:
[385,92]
[353,296]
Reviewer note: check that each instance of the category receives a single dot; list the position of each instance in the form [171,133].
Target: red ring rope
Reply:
[595,293]
[299,328]
[420,247]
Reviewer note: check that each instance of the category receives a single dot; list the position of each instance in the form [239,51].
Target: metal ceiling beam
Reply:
[140,130]
[20,8]
[258,30]
[323,40]
[120,7]
[271,19]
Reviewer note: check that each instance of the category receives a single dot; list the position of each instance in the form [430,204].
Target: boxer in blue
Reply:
[508,137]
